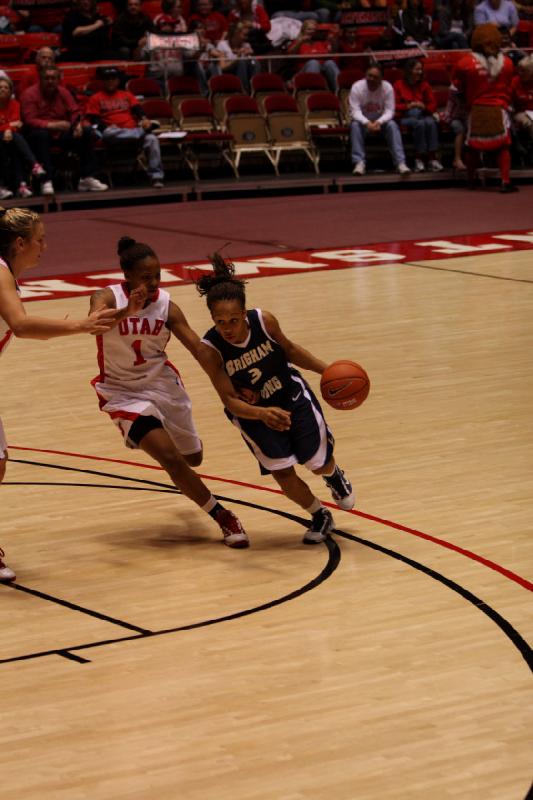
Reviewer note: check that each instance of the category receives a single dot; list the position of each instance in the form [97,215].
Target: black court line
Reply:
[195,234]
[334,556]
[75,607]
[505,626]
[467,272]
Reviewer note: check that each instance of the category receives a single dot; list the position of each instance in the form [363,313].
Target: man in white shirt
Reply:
[372,110]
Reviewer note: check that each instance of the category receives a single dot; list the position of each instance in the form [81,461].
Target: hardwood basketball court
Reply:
[141,659]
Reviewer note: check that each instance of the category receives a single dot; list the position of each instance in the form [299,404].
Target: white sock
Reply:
[211,503]
[315,506]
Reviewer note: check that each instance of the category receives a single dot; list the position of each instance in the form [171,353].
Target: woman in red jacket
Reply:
[13,146]
[415,106]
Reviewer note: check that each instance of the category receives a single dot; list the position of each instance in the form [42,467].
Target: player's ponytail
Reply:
[131,251]
[15,222]
[222,283]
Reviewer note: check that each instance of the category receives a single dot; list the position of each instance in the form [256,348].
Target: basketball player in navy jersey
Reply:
[248,357]
[141,390]
[21,246]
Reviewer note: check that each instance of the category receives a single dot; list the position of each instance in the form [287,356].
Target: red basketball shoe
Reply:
[234,533]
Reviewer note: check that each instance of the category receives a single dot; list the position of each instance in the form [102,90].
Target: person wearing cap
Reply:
[120,116]
[483,79]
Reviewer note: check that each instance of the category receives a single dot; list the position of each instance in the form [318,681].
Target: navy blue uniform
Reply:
[259,364]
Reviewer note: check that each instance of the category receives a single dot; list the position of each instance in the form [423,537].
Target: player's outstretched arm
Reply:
[105,299]
[276,418]
[295,353]
[181,329]
[30,327]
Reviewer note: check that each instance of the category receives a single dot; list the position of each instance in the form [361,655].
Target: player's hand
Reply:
[137,299]
[276,418]
[99,321]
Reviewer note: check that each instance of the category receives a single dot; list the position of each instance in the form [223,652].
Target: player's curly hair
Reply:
[222,284]
[131,251]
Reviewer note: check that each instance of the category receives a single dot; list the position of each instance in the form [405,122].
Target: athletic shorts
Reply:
[166,400]
[3,442]
[308,441]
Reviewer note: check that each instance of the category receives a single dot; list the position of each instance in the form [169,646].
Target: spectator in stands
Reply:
[86,33]
[258,21]
[349,45]
[248,11]
[522,96]
[42,15]
[53,119]
[371,103]
[14,148]
[456,116]
[235,54]
[501,13]
[415,107]
[171,19]
[120,117]
[310,42]
[455,24]
[413,25]
[206,63]
[215,24]
[293,10]
[45,57]
[484,79]
[128,35]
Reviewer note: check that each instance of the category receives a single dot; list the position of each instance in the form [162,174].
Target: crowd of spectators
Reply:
[232,36]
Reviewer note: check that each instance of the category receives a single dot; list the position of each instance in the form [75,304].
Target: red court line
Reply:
[512,576]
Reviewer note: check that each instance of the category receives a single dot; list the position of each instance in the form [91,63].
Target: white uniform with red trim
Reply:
[5,337]
[137,379]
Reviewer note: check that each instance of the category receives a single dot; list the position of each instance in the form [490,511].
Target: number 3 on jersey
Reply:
[139,359]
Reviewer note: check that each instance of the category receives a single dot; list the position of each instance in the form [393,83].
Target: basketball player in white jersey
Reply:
[21,246]
[141,390]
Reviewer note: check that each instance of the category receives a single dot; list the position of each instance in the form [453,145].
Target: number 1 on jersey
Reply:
[136,345]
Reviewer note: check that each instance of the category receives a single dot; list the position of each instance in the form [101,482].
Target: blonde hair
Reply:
[5,79]
[15,222]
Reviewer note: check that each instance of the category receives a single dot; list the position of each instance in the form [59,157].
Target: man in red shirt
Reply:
[215,24]
[121,117]
[53,119]
[484,80]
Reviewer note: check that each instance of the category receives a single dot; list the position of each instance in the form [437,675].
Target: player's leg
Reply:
[299,492]
[6,573]
[313,444]
[340,487]
[149,435]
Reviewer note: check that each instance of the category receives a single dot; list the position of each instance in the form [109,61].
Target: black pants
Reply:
[18,154]
[43,140]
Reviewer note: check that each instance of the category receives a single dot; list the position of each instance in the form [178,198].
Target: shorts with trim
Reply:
[309,441]
[3,442]
[168,402]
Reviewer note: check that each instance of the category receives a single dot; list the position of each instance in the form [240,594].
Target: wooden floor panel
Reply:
[386,680]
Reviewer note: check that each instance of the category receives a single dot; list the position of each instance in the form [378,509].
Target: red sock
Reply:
[504,163]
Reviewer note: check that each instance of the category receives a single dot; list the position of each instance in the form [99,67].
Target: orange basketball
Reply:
[344,385]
